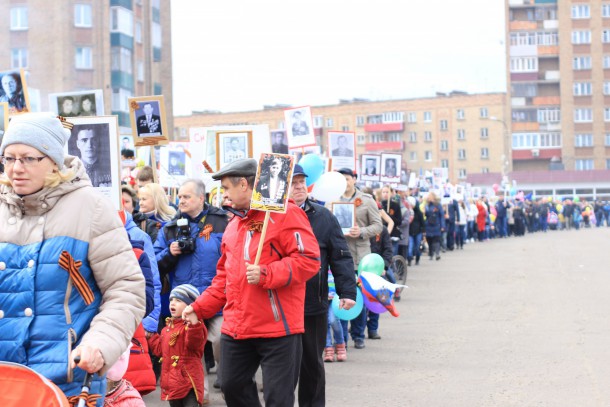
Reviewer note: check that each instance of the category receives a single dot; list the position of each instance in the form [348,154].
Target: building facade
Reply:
[461,132]
[120,46]
[559,84]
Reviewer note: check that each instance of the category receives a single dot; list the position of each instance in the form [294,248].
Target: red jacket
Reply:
[290,257]
[139,370]
[181,347]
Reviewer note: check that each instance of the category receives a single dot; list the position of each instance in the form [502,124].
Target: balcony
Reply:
[523,25]
[548,50]
[546,100]
[384,127]
[536,154]
[525,126]
[385,146]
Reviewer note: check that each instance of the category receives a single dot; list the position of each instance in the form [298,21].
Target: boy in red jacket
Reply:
[180,344]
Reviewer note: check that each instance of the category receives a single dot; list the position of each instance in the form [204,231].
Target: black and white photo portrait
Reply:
[232,146]
[272,183]
[390,167]
[85,103]
[149,119]
[370,167]
[278,142]
[341,150]
[344,212]
[299,127]
[13,91]
[67,107]
[343,147]
[91,143]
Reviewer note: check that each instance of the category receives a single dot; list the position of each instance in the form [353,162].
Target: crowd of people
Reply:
[167,291]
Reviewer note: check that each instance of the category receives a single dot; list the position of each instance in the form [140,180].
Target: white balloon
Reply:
[329,187]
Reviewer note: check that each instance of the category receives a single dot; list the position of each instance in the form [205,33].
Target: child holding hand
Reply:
[180,345]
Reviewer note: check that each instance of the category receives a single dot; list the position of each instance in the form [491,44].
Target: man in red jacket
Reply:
[264,303]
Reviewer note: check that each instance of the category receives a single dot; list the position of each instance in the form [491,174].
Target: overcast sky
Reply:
[241,55]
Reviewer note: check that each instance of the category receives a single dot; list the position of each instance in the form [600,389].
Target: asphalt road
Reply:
[511,322]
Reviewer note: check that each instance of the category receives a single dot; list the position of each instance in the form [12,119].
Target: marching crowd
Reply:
[160,294]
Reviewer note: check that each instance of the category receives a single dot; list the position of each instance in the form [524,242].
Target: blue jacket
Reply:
[151,321]
[435,220]
[197,268]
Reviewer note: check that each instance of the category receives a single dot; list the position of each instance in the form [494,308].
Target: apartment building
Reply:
[559,84]
[464,133]
[120,46]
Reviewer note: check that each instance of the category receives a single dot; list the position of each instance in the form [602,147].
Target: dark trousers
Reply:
[450,234]
[189,401]
[357,325]
[279,359]
[312,380]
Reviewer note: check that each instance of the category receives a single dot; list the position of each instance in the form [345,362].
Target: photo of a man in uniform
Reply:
[91,143]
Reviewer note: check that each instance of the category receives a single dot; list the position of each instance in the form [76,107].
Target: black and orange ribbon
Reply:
[206,231]
[67,262]
[91,399]
[255,226]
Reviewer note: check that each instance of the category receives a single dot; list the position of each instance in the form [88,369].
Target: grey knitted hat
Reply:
[186,293]
[43,131]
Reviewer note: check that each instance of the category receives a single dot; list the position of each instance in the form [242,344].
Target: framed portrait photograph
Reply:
[13,90]
[341,150]
[371,165]
[3,118]
[95,140]
[299,127]
[272,183]
[345,212]
[390,168]
[279,142]
[148,120]
[75,104]
[232,146]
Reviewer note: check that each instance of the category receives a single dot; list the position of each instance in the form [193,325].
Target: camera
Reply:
[185,242]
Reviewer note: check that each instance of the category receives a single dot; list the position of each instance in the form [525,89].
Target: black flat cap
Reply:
[347,171]
[246,167]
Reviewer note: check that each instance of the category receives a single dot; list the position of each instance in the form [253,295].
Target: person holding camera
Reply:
[188,248]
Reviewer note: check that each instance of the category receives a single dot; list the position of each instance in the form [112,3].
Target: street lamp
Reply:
[506,148]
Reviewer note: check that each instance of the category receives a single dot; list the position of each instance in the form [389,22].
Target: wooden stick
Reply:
[262,240]
[153,164]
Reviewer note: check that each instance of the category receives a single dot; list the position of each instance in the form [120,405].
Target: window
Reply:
[607,139]
[427,136]
[583,115]
[377,137]
[524,64]
[119,100]
[485,170]
[329,123]
[82,15]
[19,58]
[359,121]
[393,117]
[548,115]
[83,58]
[460,114]
[582,88]
[344,128]
[427,117]
[580,63]
[581,37]
[445,163]
[550,140]
[462,173]
[19,18]
[581,11]
[605,10]
[394,137]
[534,38]
[121,21]
[606,88]
[412,137]
[428,155]
[412,117]
[374,119]
[444,145]
[606,61]
[318,122]
[361,139]
[607,114]
[484,113]
[484,132]
[140,72]
[444,125]
[138,32]
[461,154]
[413,156]
[156,35]
[606,36]
[583,140]
[524,89]
[461,134]
[121,59]
[583,165]
[485,153]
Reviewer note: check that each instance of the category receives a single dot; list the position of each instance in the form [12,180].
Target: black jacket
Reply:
[335,254]
[148,225]
[418,225]
[382,245]
[395,213]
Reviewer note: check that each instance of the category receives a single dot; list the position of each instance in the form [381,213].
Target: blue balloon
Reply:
[348,314]
[313,166]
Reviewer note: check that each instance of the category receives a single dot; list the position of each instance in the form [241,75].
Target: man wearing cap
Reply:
[263,303]
[334,253]
[368,224]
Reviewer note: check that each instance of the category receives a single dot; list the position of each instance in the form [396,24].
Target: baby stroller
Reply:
[21,386]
